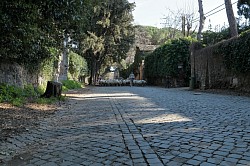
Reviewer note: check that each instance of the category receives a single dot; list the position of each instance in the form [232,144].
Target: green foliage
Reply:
[210,37]
[22,40]
[17,96]
[244,8]
[154,35]
[236,53]
[77,65]
[28,28]
[29,91]
[71,84]
[9,92]
[50,100]
[164,60]
[110,33]
[49,66]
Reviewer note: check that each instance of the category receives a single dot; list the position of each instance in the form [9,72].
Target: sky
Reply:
[152,12]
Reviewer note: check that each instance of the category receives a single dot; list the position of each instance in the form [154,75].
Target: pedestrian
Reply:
[167,82]
[131,78]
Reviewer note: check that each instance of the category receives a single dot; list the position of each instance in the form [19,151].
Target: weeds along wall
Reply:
[224,65]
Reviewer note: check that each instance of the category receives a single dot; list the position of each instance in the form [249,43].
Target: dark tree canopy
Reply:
[244,8]
[103,29]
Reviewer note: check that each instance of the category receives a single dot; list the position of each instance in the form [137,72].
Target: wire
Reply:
[197,19]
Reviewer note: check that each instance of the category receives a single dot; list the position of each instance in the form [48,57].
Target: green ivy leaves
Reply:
[236,53]
[164,60]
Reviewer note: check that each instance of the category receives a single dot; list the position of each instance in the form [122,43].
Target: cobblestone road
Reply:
[138,126]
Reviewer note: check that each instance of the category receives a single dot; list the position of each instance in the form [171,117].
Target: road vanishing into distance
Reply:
[138,126]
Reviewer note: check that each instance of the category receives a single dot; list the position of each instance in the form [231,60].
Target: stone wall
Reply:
[14,74]
[209,71]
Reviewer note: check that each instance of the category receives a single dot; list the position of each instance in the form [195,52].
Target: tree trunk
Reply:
[231,18]
[202,20]
[93,71]
[53,89]
[183,25]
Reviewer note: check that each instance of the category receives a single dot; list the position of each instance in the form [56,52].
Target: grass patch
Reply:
[71,84]
[19,96]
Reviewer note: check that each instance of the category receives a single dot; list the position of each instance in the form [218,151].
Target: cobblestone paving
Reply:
[139,126]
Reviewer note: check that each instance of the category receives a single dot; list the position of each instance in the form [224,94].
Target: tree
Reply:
[244,9]
[231,18]
[182,20]
[110,35]
[202,20]
[29,28]
[22,39]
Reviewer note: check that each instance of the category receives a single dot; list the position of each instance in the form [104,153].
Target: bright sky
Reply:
[151,12]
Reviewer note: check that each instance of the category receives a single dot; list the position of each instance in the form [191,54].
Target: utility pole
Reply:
[202,20]
[231,18]
[183,18]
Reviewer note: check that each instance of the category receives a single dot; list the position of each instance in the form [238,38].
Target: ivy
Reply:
[77,65]
[236,53]
[164,60]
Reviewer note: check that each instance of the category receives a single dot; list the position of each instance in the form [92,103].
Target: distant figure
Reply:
[131,78]
[167,82]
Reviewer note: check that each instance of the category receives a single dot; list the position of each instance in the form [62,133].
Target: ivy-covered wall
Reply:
[224,65]
[169,62]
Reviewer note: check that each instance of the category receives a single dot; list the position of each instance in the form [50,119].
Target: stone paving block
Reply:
[155,161]
[207,151]
[139,160]
[237,156]
[46,157]
[150,156]
[246,158]
[200,158]
[49,164]
[221,153]
[40,162]
[136,155]
[245,162]
[207,164]
[186,155]
[174,163]
[214,160]
[117,149]
[206,154]
[226,163]
[193,162]
[232,160]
